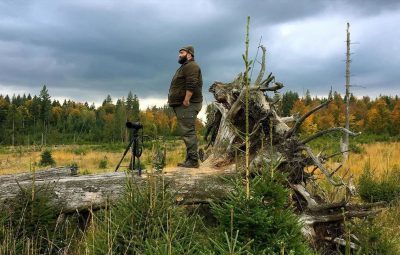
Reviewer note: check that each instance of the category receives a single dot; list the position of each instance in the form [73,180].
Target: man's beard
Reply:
[182,60]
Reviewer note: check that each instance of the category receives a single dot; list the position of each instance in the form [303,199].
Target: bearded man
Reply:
[185,97]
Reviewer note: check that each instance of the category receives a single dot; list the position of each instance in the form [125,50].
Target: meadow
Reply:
[380,156]
[90,159]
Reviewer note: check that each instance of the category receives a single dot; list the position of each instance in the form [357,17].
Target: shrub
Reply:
[144,221]
[225,244]
[357,149]
[74,168]
[372,238]
[372,189]
[103,163]
[265,218]
[47,159]
[31,223]
[80,150]
[158,155]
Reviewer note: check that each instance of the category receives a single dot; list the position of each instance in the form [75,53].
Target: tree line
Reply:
[39,120]
[380,116]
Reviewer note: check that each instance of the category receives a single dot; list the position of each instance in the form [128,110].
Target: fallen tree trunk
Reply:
[52,173]
[84,192]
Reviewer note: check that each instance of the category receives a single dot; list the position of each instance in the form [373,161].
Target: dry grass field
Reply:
[19,160]
[381,157]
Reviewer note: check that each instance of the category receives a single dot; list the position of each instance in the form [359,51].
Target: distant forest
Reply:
[379,116]
[39,120]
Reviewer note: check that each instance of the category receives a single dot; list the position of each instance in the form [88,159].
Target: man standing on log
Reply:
[185,97]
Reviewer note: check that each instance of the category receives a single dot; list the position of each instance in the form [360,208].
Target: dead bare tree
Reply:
[345,144]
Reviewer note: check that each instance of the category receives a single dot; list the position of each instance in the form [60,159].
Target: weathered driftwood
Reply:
[83,192]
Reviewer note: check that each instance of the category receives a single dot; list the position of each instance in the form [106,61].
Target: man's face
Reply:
[182,56]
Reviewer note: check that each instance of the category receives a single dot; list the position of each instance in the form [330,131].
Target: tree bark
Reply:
[84,192]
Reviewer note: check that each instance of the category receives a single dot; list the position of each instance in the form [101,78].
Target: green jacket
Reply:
[187,77]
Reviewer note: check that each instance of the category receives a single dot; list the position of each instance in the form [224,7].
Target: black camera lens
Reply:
[134,125]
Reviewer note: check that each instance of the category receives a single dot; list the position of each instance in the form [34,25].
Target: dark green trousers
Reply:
[186,120]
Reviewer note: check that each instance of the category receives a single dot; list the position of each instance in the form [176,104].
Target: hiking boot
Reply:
[181,164]
[191,164]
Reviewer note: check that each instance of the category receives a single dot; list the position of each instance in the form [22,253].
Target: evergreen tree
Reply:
[7,98]
[307,99]
[135,108]
[120,119]
[129,105]
[288,100]
[3,109]
[108,100]
[45,105]
[47,159]
[266,218]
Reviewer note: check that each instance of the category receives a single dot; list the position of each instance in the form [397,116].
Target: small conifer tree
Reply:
[47,159]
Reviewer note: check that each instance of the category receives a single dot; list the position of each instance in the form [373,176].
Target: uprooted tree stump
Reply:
[276,146]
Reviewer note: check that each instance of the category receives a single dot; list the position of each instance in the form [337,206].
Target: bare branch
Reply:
[304,193]
[335,171]
[314,169]
[322,168]
[265,83]
[343,242]
[367,206]
[304,117]
[261,74]
[328,206]
[334,154]
[326,131]
[313,219]
[277,86]
[287,119]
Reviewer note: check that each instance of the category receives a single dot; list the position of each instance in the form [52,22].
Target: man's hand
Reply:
[187,98]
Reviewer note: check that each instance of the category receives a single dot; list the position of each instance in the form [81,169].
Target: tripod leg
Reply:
[123,156]
[133,152]
[133,162]
[134,149]
[139,167]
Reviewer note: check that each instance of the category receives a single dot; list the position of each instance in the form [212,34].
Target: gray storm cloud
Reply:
[85,50]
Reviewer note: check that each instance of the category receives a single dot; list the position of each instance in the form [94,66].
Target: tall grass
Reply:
[32,225]
[145,221]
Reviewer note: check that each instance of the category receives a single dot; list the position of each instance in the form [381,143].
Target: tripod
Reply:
[135,147]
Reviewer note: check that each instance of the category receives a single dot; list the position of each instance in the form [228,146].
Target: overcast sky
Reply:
[84,50]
